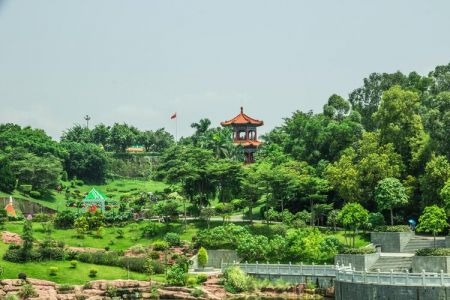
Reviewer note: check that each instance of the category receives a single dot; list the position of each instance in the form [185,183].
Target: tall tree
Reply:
[437,172]
[390,194]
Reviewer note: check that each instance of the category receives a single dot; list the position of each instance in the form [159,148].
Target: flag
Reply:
[174,116]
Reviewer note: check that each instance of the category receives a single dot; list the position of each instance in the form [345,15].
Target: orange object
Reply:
[10,208]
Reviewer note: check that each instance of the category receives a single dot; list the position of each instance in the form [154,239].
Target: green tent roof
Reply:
[94,194]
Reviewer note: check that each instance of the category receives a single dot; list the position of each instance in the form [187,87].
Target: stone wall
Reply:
[350,291]
[361,262]
[391,241]
[216,257]
[98,289]
[431,264]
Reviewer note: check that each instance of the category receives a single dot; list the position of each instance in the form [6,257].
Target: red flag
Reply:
[173,116]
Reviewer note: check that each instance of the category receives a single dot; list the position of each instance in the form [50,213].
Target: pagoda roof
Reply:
[95,195]
[242,119]
[247,143]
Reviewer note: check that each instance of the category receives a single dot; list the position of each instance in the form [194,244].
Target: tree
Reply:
[7,178]
[28,239]
[206,213]
[353,216]
[251,188]
[101,135]
[332,218]
[400,124]
[437,172]
[42,172]
[81,226]
[202,257]
[78,134]
[445,195]
[122,136]
[3,217]
[433,220]
[390,194]
[86,161]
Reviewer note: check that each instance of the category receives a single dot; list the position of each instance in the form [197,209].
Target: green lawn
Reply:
[361,239]
[113,188]
[66,275]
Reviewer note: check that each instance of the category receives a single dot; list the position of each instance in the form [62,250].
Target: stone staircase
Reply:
[396,263]
[420,242]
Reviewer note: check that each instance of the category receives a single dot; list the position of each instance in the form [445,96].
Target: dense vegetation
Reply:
[379,157]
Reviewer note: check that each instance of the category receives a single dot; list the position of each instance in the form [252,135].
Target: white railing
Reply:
[394,278]
[285,269]
[345,274]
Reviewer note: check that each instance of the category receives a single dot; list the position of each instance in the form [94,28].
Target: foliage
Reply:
[236,281]
[176,275]
[365,250]
[395,228]
[93,272]
[433,252]
[437,172]
[173,239]
[433,220]
[389,194]
[53,271]
[152,229]
[27,291]
[64,219]
[353,216]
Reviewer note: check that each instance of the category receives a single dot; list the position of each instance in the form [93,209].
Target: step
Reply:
[395,263]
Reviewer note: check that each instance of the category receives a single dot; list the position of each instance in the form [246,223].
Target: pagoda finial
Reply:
[242,109]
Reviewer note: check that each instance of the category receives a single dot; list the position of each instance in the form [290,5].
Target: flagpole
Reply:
[176,128]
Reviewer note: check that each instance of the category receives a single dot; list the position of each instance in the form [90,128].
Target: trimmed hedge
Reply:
[365,250]
[433,252]
[395,228]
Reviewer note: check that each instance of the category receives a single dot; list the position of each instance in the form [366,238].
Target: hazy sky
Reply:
[140,61]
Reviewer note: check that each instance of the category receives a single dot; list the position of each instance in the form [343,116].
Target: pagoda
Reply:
[244,133]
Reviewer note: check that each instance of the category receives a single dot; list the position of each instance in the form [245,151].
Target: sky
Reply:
[141,61]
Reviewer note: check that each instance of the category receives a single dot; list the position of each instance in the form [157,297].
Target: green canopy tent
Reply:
[96,198]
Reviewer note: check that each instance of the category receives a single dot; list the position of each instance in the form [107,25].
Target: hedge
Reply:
[395,228]
[365,250]
[433,252]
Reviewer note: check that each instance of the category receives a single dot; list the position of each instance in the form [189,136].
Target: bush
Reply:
[25,188]
[65,219]
[197,293]
[27,291]
[395,228]
[202,257]
[201,278]
[22,276]
[154,255]
[152,229]
[191,281]
[93,272]
[65,288]
[176,276]
[173,239]
[236,281]
[160,245]
[35,194]
[365,250]
[156,266]
[73,264]
[41,217]
[433,252]
[137,249]
[53,271]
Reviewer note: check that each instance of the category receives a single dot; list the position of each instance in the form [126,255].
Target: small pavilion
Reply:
[244,133]
[95,199]
[10,208]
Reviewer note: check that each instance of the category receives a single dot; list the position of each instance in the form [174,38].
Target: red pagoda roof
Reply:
[242,119]
[246,143]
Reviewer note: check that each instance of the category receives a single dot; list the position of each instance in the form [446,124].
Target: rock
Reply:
[11,238]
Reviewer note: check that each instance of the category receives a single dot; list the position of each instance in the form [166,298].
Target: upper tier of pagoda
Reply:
[242,119]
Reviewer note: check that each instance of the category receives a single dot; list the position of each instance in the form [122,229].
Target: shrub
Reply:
[154,255]
[365,250]
[191,281]
[395,228]
[120,233]
[35,194]
[202,257]
[176,276]
[137,249]
[65,288]
[65,219]
[236,281]
[201,278]
[22,276]
[41,217]
[11,297]
[111,291]
[173,239]
[152,229]
[197,293]
[27,291]
[26,188]
[53,271]
[156,266]
[279,229]
[73,264]
[433,252]
[93,272]
[160,245]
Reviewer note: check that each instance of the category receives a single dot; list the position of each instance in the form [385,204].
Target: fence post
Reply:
[407,277]
[312,270]
[290,271]
[423,277]
[257,268]
[392,276]
[378,276]
[301,268]
[442,278]
[365,275]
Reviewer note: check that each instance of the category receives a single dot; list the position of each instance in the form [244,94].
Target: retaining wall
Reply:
[391,241]
[431,264]
[357,291]
[360,262]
